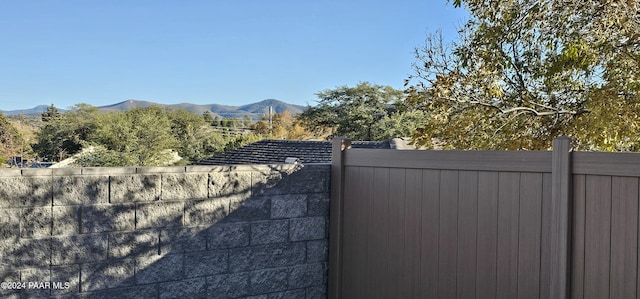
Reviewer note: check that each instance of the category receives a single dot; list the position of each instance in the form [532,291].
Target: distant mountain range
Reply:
[254,109]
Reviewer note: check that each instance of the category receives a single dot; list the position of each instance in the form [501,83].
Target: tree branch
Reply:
[550,111]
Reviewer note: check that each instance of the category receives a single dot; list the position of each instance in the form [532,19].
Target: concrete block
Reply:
[135,292]
[35,222]
[66,171]
[25,192]
[206,168]
[269,232]
[266,256]
[160,169]
[133,244]
[107,217]
[9,276]
[318,204]
[317,292]
[268,280]
[205,212]
[251,209]
[10,172]
[310,180]
[83,189]
[112,274]
[229,183]
[192,288]
[10,294]
[206,263]
[37,277]
[228,235]
[181,240]
[107,170]
[9,224]
[37,172]
[159,214]
[292,294]
[228,285]
[25,253]
[134,188]
[184,186]
[269,182]
[317,251]
[78,249]
[307,275]
[308,228]
[66,274]
[253,168]
[288,206]
[318,167]
[159,268]
[66,220]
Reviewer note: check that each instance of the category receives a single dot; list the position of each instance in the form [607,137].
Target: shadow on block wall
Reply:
[190,232]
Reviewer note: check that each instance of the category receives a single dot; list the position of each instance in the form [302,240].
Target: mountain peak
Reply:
[254,109]
[262,107]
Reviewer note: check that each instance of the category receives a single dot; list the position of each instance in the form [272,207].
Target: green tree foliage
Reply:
[525,71]
[140,136]
[51,113]
[103,157]
[207,117]
[64,134]
[364,112]
[262,127]
[247,121]
[11,142]
[284,125]
[195,138]
[216,122]
[137,137]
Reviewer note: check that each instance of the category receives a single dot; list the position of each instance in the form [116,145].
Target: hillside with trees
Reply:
[254,110]
[139,136]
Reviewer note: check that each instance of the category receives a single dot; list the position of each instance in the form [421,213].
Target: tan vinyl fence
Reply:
[483,224]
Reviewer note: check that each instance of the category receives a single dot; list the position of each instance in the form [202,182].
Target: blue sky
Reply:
[205,52]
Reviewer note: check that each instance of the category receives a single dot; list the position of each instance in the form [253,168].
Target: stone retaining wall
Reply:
[164,232]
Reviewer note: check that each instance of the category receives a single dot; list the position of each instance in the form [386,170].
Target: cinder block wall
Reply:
[164,232]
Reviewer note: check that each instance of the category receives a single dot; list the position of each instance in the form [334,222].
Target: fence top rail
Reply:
[599,163]
[516,161]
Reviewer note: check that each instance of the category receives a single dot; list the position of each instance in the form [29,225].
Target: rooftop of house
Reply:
[271,151]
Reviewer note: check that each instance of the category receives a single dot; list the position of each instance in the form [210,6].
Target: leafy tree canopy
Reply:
[137,137]
[525,71]
[284,125]
[140,133]
[63,134]
[364,112]
[11,142]
[50,114]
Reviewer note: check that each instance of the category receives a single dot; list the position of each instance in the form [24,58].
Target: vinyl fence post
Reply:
[339,145]
[561,212]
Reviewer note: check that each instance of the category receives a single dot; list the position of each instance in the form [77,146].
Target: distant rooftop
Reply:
[271,151]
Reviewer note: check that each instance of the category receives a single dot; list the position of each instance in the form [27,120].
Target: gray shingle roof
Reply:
[270,151]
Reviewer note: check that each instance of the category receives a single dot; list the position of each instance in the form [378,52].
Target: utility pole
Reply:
[271,120]
[22,138]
